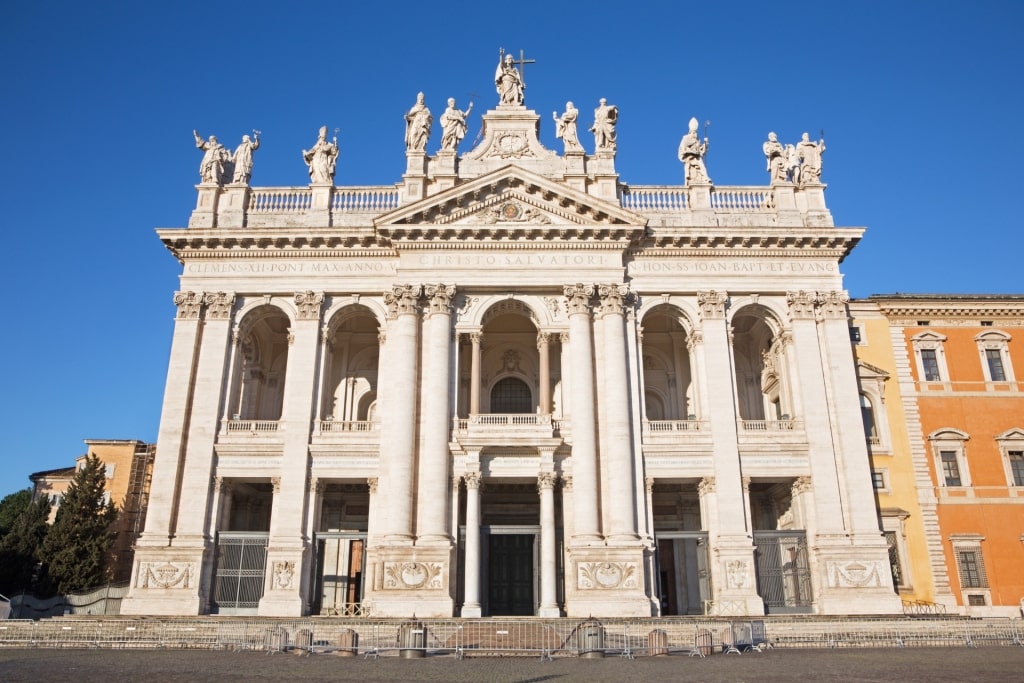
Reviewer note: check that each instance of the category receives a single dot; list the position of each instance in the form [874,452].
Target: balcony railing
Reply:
[252,426]
[768,425]
[663,426]
[334,426]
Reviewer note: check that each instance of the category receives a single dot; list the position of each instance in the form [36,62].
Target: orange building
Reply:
[958,359]
[129,468]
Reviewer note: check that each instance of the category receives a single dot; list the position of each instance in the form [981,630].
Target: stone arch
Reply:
[667,371]
[761,371]
[260,362]
[351,361]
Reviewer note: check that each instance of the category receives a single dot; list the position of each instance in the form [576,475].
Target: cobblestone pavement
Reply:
[158,666]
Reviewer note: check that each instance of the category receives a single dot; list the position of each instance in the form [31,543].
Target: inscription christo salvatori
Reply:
[731,267]
[528,260]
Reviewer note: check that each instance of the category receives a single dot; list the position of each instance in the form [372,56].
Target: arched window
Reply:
[511,395]
[867,413]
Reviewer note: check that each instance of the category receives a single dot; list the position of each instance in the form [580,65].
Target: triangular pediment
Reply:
[869,371]
[511,203]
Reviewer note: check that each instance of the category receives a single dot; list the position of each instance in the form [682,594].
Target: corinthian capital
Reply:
[833,304]
[801,305]
[401,300]
[188,304]
[613,298]
[440,298]
[309,304]
[712,304]
[577,298]
[218,305]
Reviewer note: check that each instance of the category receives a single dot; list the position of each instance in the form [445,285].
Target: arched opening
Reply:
[867,413]
[261,366]
[762,390]
[352,356]
[668,376]
[511,395]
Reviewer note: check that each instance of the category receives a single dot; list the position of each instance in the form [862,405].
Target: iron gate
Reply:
[241,567]
[783,575]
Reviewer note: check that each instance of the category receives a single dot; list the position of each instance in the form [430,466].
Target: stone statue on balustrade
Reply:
[606,116]
[215,157]
[810,159]
[508,81]
[565,128]
[453,125]
[775,156]
[691,153]
[322,158]
[417,126]
[792,164]
[242,158]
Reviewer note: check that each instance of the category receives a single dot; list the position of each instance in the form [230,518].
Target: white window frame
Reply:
[884,472]
[872,387]
[936,342]
[1010,440]
[863,341]
[894,520]
[995,340]
[949,439]
[972,543]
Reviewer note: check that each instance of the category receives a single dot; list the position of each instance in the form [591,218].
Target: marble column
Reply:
[476,338]
[471,573]
[548,567]
[586,498]
[617,409]
[432,499]
[543,348]
[398,412]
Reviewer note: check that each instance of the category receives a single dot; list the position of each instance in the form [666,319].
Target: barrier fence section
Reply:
[541,638]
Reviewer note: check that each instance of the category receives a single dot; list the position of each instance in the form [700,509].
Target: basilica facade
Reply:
[511,384]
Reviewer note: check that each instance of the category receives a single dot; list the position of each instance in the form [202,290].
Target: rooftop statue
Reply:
[242,158]
[691,153]
[508,81]
[810,159]
[565,128]
[792,164]
[605,118]
[775,156]
[211,168]
[417,126]
[453,125]
[322,158]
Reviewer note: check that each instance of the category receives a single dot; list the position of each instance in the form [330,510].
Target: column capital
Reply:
[371,483]
[649,485]
[563,337]
[402,299]
[224,485]
[566,483]
[543,339]
[188,304]
[801,305]
[694,339]
[439,298]
[707,485]
[309,304]
[832,305]
[712,304]
[476,337]
[275,482]
[577,298]
[472,480]
[801,485]
[317,485]
[546,481]
[218,305]
[613,298]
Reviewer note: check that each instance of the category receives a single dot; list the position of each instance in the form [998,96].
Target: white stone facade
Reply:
[511,384]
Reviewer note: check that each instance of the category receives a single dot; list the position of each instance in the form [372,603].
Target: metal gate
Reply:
[241,567]
[783,575]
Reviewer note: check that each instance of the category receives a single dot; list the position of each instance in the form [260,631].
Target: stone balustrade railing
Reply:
[334,426]
[252,426]
[663,426]
[768,425]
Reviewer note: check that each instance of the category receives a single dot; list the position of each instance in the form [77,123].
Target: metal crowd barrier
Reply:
[542,638]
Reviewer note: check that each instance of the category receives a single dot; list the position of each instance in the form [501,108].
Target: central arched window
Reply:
[511,395]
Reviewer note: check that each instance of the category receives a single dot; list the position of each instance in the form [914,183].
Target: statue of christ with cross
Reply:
[508,80]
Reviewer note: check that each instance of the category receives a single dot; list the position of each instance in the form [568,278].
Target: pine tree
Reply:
[11,508]
[74,554]
[19,549]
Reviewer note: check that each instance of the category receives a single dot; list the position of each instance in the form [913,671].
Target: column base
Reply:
[166,582]
[283,594]
[552,612]
[854,577]
[606,582]
[471,612]
[408,581]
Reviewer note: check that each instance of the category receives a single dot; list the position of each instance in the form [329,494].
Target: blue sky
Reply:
[920,101]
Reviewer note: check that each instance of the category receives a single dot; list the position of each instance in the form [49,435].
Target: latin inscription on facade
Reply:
[732,267]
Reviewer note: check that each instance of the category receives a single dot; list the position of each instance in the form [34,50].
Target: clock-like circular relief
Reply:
[510,211]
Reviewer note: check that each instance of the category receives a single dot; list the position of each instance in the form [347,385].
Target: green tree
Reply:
[19,549]
[11,508]
[74,554]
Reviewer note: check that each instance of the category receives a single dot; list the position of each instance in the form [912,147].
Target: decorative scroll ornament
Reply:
[801,485]
[165,575]
[712,304]
[413,575]
[801,305]
[855,574]
[472,480]
[510,145]
[736,574]
[606,575]
[309,304]
[440,297]
[546,481]
[218,305]
[188,304]
[577,298]
[401,300]
[284,572]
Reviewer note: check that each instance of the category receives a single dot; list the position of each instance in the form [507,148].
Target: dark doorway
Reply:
[510,574]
